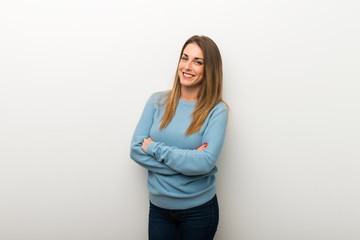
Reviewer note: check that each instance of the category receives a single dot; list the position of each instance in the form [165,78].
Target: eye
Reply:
[184,58]
[199,62]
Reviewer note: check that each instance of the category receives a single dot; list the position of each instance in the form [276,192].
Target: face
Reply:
[191,66]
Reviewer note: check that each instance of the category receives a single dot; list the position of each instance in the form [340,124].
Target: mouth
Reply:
[188,75]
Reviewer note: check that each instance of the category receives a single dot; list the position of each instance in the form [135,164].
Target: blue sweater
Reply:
[179,176]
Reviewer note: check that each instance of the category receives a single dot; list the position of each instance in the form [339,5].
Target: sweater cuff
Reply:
[150,148]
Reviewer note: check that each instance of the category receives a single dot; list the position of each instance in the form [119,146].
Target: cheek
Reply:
[179,71]
[182,63]
[201,71]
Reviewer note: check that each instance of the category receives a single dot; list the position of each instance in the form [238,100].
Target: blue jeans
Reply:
[198,223]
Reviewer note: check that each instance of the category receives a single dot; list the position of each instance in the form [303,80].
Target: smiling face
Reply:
[191,66]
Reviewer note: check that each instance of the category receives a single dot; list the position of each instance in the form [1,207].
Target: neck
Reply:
[190,94]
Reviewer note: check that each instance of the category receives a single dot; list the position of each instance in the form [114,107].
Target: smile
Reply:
[188,75]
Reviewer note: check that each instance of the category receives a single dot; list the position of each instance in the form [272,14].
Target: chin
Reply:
[190,85]
[186,83]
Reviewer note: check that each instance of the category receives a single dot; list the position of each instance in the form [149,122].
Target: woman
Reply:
[178,139]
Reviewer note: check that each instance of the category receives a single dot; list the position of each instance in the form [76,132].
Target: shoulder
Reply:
[219,112]
[220,107]
[158,98]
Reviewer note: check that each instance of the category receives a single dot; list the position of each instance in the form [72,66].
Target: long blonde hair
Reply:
[211,90]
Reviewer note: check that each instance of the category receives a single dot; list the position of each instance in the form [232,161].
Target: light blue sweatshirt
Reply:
[179,176]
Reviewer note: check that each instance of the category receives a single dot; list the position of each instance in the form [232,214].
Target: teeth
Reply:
[187,75]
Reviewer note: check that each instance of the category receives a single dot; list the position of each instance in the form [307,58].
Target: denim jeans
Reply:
[198,223]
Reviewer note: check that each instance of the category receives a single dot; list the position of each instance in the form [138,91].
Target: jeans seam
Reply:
[213,211]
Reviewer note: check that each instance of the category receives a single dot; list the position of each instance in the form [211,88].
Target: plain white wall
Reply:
[75,75]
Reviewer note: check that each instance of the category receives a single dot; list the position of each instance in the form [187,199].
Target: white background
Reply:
[74,78]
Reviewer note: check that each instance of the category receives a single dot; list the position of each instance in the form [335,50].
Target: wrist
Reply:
[150,148]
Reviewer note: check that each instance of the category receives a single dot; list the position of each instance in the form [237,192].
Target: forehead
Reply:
[193,50]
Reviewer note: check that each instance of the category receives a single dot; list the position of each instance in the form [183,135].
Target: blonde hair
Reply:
[210,93]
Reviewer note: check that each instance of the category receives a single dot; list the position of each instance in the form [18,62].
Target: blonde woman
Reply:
[178,140]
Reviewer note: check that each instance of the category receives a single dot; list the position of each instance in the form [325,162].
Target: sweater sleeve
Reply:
[142,131]
[193,162]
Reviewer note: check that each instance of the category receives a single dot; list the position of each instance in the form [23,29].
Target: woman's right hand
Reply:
[145,143]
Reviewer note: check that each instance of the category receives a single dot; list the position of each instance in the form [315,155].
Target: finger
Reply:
[202,147]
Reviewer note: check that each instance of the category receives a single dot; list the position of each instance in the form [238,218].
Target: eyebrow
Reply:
[197,58]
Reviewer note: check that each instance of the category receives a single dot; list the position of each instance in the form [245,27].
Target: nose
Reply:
[188,65]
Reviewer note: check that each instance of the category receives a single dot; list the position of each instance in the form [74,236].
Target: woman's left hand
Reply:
[202,147]
[145,143]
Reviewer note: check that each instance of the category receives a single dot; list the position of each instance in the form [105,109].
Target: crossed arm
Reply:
[149,140]
[170,160]
[197,161]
